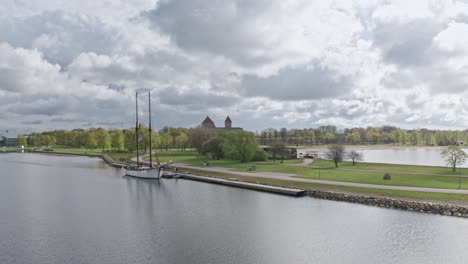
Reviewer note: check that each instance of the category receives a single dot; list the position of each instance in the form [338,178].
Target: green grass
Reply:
[372,191]
[331,174]
[392,167]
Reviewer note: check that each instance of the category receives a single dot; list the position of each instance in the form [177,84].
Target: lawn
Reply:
[372,191]
[331,174]
[391,167]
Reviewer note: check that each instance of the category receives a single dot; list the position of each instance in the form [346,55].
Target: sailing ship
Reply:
[138,170]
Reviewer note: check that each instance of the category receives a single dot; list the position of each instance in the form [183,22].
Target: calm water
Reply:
[78,210]
[410,156]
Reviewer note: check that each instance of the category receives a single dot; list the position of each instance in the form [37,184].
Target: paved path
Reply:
[288,177]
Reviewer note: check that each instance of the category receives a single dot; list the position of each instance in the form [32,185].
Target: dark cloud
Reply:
[407,44]
[195,99]
[298,84]
[34,122]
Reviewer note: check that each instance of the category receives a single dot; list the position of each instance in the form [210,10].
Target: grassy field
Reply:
[450,198]
[347,173]
[392,167]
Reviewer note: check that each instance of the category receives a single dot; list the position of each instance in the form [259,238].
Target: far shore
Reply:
[373,147]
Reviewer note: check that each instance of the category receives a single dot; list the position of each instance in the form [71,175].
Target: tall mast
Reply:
[136,127]
[149,102]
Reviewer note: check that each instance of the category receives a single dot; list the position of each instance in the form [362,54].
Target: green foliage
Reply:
[260,155]
[103,140]
[130,140]
[117,139]
[214,147]
[182,141]
[22,140]
[197,136]
[240,145]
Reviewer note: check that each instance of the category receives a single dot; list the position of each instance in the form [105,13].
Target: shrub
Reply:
[260,155]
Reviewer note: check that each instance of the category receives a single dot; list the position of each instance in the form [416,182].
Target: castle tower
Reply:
[228,123]
[208,123]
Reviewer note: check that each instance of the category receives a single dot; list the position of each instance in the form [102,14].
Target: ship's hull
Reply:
[155,173]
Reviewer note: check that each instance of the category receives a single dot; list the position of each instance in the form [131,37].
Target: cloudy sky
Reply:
[266,63]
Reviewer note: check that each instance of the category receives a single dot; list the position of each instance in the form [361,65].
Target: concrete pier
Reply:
[246,185]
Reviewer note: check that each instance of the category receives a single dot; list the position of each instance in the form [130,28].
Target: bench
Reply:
[251,168]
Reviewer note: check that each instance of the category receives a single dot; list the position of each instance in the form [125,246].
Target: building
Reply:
[209,124]
[8,142]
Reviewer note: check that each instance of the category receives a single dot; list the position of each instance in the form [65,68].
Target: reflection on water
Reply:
[78,210]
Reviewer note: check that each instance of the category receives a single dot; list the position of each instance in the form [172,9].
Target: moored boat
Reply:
[136,170]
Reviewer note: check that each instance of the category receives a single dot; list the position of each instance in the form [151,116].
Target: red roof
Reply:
[228,119]
[208,121]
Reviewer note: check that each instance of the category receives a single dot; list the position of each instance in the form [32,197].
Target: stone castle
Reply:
[209,124]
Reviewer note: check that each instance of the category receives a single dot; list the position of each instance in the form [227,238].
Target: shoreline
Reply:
[447,208]
[372,147]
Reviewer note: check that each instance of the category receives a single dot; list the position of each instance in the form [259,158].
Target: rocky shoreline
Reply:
[418,206]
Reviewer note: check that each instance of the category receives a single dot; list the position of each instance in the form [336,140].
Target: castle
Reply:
[209,124]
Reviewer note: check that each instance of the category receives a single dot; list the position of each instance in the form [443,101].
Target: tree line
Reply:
[238,145]
[359,135]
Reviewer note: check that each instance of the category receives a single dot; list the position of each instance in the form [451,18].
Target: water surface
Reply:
[78,210]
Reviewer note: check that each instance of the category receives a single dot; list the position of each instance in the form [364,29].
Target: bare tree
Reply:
[335,153]
[355,156]
[454,156]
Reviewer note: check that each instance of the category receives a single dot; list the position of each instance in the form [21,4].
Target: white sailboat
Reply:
[136,170]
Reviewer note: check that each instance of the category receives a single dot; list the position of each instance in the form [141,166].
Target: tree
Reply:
[197,136]
[454,156]
[280,149]
[129,140]
[240,145]
[355,156]
[182,141]
[90,139]
[335,153]
[103,139]
[52,141]
[166,140]
[21,140]
[414,137]
[32,140]
[214,146]
[117,139]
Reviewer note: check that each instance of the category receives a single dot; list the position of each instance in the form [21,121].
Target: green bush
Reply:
[48,149]
[260,155]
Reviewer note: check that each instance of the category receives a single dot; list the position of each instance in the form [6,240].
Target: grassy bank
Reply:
[370,174]
[449,198]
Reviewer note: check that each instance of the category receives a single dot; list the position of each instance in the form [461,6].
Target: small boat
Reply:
[137,170]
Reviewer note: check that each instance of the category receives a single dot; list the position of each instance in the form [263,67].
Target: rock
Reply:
[387,176]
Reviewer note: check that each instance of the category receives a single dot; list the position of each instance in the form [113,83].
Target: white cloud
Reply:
[265,63]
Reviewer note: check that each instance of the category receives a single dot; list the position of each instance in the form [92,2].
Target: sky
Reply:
[265,63]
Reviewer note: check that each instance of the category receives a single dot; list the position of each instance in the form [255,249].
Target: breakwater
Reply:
[418,206]
[245,185]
